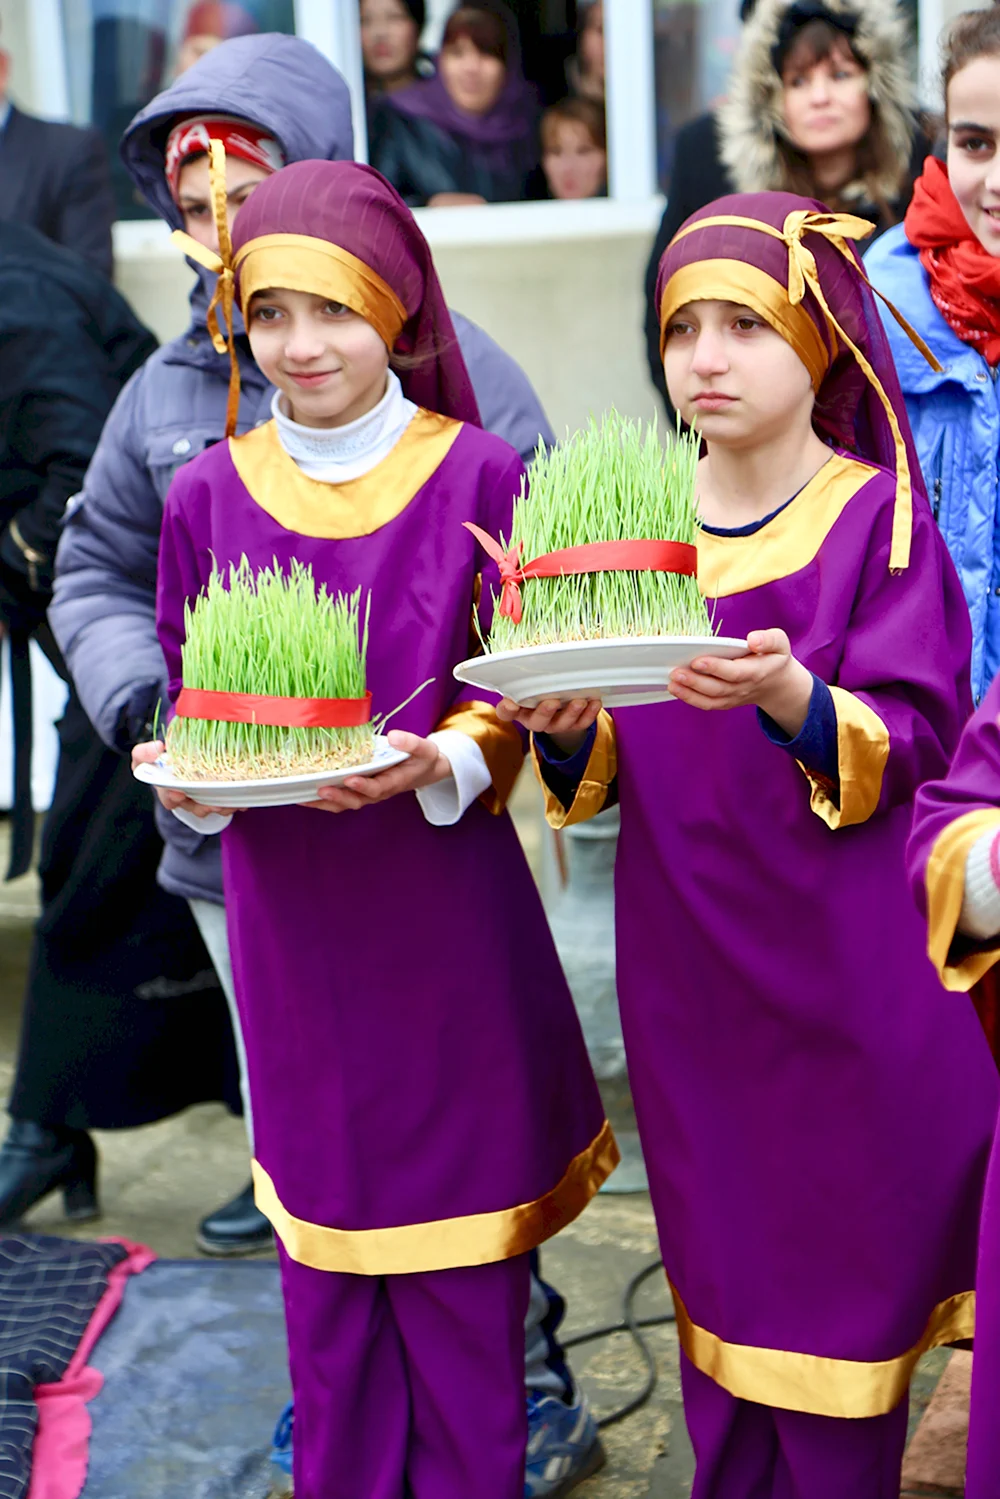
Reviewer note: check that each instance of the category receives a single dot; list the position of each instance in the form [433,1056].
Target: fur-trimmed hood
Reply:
[755,148]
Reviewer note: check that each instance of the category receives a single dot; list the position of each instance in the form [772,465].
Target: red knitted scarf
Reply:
[964,278]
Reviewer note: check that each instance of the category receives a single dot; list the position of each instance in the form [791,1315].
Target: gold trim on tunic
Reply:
[737,564]
[592,792]
[299,262]
[747,286]
[476,1239]
[862,753]
[840,1387]
[335,512]
[501,745]
[945,882]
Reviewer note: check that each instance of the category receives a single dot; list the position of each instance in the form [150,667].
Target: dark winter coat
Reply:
[420,159]
[68,343]
[56,179]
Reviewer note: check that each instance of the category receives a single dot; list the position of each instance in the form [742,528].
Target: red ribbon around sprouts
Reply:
[281,712]
[594,557]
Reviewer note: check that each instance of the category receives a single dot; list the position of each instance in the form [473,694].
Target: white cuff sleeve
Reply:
[215,822]
[444,803]
[980,916]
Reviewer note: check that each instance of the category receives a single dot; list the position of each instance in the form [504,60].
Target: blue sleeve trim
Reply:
[815,745]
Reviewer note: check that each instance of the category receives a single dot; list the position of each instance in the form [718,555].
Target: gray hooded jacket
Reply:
[103,612]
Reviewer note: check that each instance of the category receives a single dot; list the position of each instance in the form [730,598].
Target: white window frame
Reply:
[632,206]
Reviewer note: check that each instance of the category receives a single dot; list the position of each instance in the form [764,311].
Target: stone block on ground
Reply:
[934,1467]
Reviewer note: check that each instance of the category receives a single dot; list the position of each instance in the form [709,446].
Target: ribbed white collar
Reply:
[335,455]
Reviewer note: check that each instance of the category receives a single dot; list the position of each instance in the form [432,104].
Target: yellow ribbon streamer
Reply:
[838,229]
[224,296]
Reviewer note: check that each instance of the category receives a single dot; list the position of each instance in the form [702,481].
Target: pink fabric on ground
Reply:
[62,1439]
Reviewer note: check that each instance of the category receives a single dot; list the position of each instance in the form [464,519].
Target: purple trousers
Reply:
[748,1451]
[408,1385]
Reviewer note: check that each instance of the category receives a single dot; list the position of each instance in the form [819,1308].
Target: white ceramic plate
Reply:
[622,673]
[277,791]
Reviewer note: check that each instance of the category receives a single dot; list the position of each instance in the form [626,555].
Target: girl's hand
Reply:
[148,754]
[566,724]
[768,678]
[425,766]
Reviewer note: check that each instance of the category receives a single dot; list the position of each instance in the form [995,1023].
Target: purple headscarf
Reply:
[849,411]
[353,208]
[513,118]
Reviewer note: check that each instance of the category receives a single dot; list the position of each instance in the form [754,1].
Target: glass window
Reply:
[121,53]
[480,132]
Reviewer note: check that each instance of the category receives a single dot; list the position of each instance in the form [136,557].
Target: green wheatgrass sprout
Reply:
[272,633]
[613,481]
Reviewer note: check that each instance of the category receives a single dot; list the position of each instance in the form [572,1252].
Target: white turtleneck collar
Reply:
[335,455]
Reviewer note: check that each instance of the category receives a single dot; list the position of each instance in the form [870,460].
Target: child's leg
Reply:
[463,1336]
[822,1458]
[735,1443]
[749,1451]
[352,1405]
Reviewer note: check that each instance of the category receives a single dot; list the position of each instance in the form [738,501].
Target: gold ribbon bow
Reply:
[224,296]
[803,275]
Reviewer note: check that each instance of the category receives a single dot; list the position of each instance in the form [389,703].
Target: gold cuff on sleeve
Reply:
[862,752]
[592,792]
[501,744]
[945,893]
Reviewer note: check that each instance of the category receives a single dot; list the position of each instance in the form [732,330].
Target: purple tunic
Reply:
[422,1093]
[951,815]
[816,1118]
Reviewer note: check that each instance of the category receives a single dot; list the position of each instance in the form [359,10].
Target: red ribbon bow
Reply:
[593,557]
[281,712]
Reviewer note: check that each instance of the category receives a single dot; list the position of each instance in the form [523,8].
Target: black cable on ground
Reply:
[633,1326]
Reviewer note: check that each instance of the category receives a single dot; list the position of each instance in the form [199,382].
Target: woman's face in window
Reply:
[389,39]
[474,81]
[826,103]
[575,166]
[591,43]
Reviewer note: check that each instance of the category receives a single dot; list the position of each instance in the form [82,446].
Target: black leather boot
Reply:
[35,1161]
[238,1227]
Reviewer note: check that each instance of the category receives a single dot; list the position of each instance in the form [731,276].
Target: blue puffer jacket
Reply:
[103,612]
[955,416]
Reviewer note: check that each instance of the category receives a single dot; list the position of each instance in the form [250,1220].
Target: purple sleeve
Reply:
[970,785]
[907,655]
[815,745]
[179,580]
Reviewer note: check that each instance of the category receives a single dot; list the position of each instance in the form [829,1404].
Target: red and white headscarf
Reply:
[240,138]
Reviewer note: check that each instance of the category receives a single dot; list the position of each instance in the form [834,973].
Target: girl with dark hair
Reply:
[942,269]
[784,1029]
[424,1110]
[390,45]
[470,134]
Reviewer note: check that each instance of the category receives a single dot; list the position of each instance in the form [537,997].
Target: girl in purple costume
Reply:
[954,856]
[816,1122]
[425,1113]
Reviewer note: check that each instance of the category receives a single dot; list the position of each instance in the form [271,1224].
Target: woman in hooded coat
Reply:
[820,103]
[470,133]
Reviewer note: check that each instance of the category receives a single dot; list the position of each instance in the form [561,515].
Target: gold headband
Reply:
[298,262]
[837,228]
[735,281]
